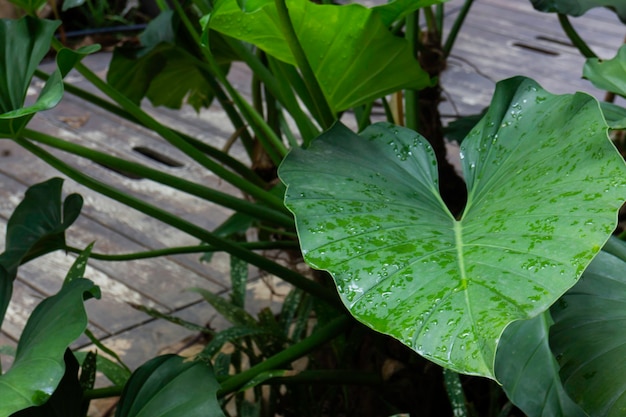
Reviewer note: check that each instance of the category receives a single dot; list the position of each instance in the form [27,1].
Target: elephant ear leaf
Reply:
[610,74]
[39,361]
[580,7]
[36,227]
[544,186]
[25,43]
[353,55]
[588,337]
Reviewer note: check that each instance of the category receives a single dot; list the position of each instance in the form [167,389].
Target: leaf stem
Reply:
[183,250]
[455,393]
[319,100]
[224,199]
[573,36]
[212,239]
[318,338]
[456,27]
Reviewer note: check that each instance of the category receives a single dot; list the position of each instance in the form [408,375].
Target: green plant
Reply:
[453,281]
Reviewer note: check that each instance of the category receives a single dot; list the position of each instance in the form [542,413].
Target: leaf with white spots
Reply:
[544,185]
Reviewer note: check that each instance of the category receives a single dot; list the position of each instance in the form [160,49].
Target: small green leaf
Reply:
[25,42]
[615,115]
[608,74]
[544,186]
[66,401]
[36,227]
[234,314]
[39,365]
[579,7]
[588,337]
[354,56]
[169,386]
[114,372]
[529,373]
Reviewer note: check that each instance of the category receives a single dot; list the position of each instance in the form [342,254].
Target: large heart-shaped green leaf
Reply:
[39,365]
[589,335]
[529,373]
[579,7]
[170,386]
[544,185]
[354,56]
[25,42]
[36,227]
[608,74]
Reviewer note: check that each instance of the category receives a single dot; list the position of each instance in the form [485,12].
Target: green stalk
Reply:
[183,250]
[456,27]
[211,151]
[203,235]
[573,36]
[272,144]
[206,193]
[336,377]
[298,350]
[411,96]
[106,392]
[326,115]
[455,393]
[431,21]
[280,90]
[440,14]
[176,140]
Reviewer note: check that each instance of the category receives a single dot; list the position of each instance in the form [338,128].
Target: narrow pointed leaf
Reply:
[529,373]
[589,337]
[608,74]
[354,56]
[170,386]
[579,7]
[544,186]
[39,365]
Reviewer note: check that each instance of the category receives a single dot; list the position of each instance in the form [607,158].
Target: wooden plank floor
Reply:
[501,38]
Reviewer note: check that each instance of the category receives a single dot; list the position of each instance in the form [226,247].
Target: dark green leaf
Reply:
[458,129]
[114,372]
[540,206]
[529,372]
[609,74]
[588,337]
[39,365]
[70,4]
[66,401]
[352,53]
[579,7]
[36,226]
[230,335]
[169,386]
[26,41]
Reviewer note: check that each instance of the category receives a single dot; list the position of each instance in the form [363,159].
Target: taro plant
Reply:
[480,279]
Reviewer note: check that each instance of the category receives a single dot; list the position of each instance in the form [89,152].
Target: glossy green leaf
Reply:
[544,186]
[352,53]
[26,41]
[397,9]
[170,386]
[608,74]
[589,336]
[36,227]
[528,371]
[615,115]
[579,7]
[66,400]
[39,365]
